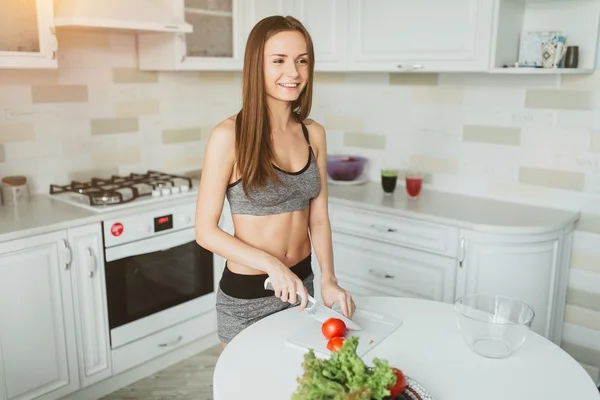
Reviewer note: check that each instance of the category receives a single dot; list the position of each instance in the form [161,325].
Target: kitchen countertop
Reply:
[42,214]
[478,214]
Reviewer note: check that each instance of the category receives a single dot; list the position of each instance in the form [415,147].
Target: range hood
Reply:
[130,15]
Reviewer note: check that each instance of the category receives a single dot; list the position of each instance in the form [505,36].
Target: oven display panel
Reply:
[163,223]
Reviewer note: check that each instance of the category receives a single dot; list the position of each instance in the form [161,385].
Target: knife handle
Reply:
[311,300]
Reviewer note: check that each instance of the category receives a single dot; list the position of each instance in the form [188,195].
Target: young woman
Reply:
[270,161]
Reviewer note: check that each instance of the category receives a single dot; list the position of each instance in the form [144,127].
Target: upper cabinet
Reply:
[522,27]
[27,39]
[130,15]
[425,35]
[216,42]
[326,21]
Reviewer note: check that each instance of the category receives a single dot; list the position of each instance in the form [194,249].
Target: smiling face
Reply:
[286,65]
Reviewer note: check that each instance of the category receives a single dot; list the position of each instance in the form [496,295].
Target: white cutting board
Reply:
[374,331]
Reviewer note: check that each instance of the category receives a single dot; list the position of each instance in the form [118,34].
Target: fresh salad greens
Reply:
[344,376]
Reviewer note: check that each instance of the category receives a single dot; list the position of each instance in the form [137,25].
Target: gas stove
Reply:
[115,192]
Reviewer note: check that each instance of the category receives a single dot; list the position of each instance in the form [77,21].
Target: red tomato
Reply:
[335,343]
[333,327]
[400,383]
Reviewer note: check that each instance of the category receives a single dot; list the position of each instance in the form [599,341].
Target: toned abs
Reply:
[284,236]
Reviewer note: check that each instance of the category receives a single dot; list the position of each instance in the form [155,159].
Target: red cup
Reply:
[414,183]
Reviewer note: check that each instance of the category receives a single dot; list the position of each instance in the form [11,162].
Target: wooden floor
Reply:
[190,379]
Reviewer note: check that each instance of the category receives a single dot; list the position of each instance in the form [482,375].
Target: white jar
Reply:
[14,189]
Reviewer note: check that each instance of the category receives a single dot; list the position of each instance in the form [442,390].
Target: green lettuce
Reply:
[344,376]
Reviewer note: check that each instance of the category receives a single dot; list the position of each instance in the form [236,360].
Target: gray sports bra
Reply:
[294,193]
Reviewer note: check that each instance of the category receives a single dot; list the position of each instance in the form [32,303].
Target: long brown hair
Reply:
[254,149]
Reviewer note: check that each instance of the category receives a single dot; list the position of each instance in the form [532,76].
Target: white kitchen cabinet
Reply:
[326,22]
[259,9]
[28,38]
[216,43]
[89,302]
[373,268]
[38,355]
[426,35]
[578,20]
[524,267]
[381,253]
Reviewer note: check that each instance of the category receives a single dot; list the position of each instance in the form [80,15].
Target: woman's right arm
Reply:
[217,168]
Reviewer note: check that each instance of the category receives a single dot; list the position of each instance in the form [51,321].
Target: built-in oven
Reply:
[157,276]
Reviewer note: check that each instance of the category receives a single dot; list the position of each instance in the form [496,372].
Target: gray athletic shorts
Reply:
[252,303]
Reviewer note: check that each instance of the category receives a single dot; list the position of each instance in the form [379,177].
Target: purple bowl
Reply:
[345,167]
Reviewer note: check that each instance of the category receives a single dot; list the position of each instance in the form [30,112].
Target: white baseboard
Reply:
[128,377]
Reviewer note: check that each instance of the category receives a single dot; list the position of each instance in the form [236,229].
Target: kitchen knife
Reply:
[320,312]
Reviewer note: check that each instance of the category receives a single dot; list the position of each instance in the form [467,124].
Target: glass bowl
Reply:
[345,167]
[493,326]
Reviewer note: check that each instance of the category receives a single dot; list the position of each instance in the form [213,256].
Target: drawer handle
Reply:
[383,228]
[173,343]
[380,274]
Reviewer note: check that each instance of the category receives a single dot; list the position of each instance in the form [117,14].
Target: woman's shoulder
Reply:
[315,129]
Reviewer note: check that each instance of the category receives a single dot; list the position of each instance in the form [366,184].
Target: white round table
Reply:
[258,364]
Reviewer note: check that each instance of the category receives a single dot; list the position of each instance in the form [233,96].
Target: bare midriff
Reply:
[284,236]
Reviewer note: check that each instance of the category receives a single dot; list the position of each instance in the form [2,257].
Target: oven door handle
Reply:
[151,245]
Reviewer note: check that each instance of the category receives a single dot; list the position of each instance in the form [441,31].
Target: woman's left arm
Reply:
[320,228]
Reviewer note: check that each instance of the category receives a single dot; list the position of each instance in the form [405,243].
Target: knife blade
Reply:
[318,311]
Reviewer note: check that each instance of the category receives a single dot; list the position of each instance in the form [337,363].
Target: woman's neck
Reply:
[280,114]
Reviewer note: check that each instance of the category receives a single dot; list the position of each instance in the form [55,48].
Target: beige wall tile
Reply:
[133,75]
[413,79]
[205,132]
[94,173]
[344,123]
[551,178]
[559,99]
[352,139]
[430,164]
[2,155]
[107,126]
[329,77]
[583,299]
[595,142]
[181,162]
[582,317]
[116,157]
[217,76]
[137,108]
[16,132]
[181,135]
[492,134]
[437,95]
[586,261]
[29,77]
[582,354]
[82,38]
[589,223]
[581,82]
[59,93]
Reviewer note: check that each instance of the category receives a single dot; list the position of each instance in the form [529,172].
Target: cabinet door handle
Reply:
[418,66]
[92,262]
[380,274]
[172,343]
[54,42]
[383,228]
[183,46]
[67,254]
[461,256]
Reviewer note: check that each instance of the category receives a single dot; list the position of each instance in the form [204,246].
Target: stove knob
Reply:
[156,193]
[184,188]
[175,190]
[165,191]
